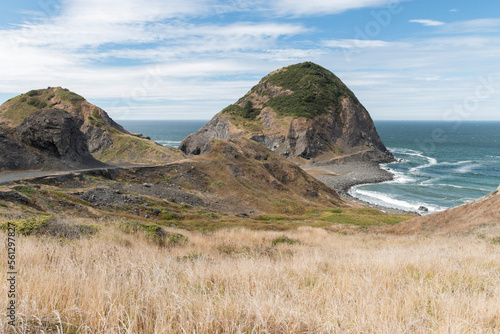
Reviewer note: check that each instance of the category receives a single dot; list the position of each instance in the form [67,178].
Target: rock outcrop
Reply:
[54,132]
[303,112]
[105,140]
[16,156]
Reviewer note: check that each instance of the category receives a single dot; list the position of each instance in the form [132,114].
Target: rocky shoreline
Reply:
[341,177]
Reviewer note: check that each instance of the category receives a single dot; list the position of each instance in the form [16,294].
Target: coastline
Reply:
[341,177]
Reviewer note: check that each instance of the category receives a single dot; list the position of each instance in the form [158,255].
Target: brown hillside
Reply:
[464,219]
[241,176]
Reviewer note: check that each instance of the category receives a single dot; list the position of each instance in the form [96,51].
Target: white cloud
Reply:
[423,78]
[130,11]
[486,25]
[428,23]
[355,43]
[315,7]
[163,61]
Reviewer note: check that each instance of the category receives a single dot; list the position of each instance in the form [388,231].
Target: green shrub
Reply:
[63,229]
[68,96]
[269,217]
[47,226]
[32,93]
[177,239]
[25,226]
[96,120]
[25,190]
[233,109]
[166,215]
[284,240]
[249,111]
[338,210]
[37,103]
[129,227]
[191,256]
[161,237]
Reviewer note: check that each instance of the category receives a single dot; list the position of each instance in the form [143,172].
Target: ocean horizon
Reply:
[441,164]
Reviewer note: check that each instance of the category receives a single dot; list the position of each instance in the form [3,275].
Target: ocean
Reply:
[442,164]
[166,133]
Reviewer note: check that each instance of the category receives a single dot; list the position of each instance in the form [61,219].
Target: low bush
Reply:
[284,240]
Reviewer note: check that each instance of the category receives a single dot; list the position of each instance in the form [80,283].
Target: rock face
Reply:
[303,112]
[55,133]
[15,156]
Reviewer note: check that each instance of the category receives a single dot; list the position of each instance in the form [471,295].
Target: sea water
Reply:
[442,164]
[166,133]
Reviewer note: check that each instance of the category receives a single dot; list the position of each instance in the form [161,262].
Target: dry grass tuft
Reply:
[237,281]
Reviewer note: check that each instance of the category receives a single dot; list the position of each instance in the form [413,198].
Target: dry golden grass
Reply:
[237,281]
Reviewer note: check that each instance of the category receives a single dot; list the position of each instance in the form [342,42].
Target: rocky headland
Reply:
[54,129]
[302,112]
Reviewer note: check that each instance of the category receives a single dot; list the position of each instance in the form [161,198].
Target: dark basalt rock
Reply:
[14,155]
[55,133]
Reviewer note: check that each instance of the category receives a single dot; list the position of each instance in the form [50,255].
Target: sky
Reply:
[167,60]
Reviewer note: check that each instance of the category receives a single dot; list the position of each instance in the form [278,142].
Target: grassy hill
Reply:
[108,141]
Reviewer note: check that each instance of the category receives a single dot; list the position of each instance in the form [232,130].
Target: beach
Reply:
[341,177]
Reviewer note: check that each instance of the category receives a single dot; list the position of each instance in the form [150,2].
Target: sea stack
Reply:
[302,112]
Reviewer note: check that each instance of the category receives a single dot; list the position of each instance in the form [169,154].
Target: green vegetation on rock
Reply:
[37,103]
[68,96]
[96,120]
[309,90]
[315,91]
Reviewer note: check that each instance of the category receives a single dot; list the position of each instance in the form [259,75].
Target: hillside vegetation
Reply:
[308,280]
[308,90]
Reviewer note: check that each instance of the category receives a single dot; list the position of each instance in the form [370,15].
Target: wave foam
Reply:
[431,162]
[381,199]
[467,169]
[169,143]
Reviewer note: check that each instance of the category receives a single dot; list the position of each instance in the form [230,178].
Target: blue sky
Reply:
[160,59]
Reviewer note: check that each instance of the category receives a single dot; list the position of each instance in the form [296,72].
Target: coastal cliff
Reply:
[302,112]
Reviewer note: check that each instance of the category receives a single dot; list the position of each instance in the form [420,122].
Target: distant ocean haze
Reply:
[443,164]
